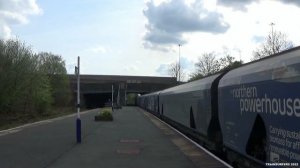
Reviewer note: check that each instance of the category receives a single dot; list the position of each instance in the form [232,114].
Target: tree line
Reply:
[208,63]
[31,84]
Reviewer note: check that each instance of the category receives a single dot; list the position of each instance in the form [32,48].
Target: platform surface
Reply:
[135,139]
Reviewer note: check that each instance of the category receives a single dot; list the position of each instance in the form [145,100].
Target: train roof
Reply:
[151,94]
[201,84]
[280,66]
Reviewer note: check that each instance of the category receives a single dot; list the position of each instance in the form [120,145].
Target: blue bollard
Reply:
[78,130]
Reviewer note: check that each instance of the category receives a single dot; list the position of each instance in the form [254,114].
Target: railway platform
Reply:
[135,139]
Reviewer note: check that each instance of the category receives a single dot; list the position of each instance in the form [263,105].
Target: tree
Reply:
[52,64]
[276,42]
[234,64]
[195,76]
[228,62]
[54,67]
[207,64]
[176,71]
[30,83]
[24,88]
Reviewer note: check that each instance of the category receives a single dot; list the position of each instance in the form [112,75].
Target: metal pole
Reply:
[112,97]
[272,36]
[118,98]
[78,87]
[78,121]
[125,98]
[179,63]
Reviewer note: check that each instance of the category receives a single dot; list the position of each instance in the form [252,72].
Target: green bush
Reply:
[104,115]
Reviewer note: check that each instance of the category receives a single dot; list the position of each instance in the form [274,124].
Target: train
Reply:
[249,115]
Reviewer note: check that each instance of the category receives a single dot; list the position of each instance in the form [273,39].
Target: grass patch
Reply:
[105,114]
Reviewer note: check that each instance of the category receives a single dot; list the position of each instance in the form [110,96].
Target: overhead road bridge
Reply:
[96,90]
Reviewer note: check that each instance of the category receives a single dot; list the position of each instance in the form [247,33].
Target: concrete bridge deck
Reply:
[95,90]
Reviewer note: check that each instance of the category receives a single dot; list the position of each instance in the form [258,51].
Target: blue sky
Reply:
[136,37]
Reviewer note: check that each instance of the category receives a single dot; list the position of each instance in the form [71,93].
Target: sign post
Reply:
[78,121]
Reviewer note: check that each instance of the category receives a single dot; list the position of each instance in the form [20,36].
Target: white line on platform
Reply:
[19,128]
[199,146]
[9,132]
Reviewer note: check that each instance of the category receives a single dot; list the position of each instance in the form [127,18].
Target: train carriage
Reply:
[193,106]
[150,102]
[259,109]
[250,114]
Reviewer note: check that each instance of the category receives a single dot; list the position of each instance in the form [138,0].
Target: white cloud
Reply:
[98,50]
[5,31]
[15,12]
[236,4]
[131,68]
[242,5]
[25,7]
[247,31]
[169,20]
[293,2]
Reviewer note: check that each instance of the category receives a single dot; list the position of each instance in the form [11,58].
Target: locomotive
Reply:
[250,115]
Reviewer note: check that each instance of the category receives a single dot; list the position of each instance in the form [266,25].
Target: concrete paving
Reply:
[41,144]
[132,140]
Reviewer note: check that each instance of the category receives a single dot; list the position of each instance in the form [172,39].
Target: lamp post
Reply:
[179,67]
[78,121]
[272,36]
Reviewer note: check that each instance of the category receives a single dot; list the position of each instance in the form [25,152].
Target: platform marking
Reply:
[2,133]
[129,140]
[19,128]
[128,151]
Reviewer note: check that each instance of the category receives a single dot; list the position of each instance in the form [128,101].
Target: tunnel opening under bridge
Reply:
[96,100]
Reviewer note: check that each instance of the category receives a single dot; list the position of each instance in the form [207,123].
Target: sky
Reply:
[141,37]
